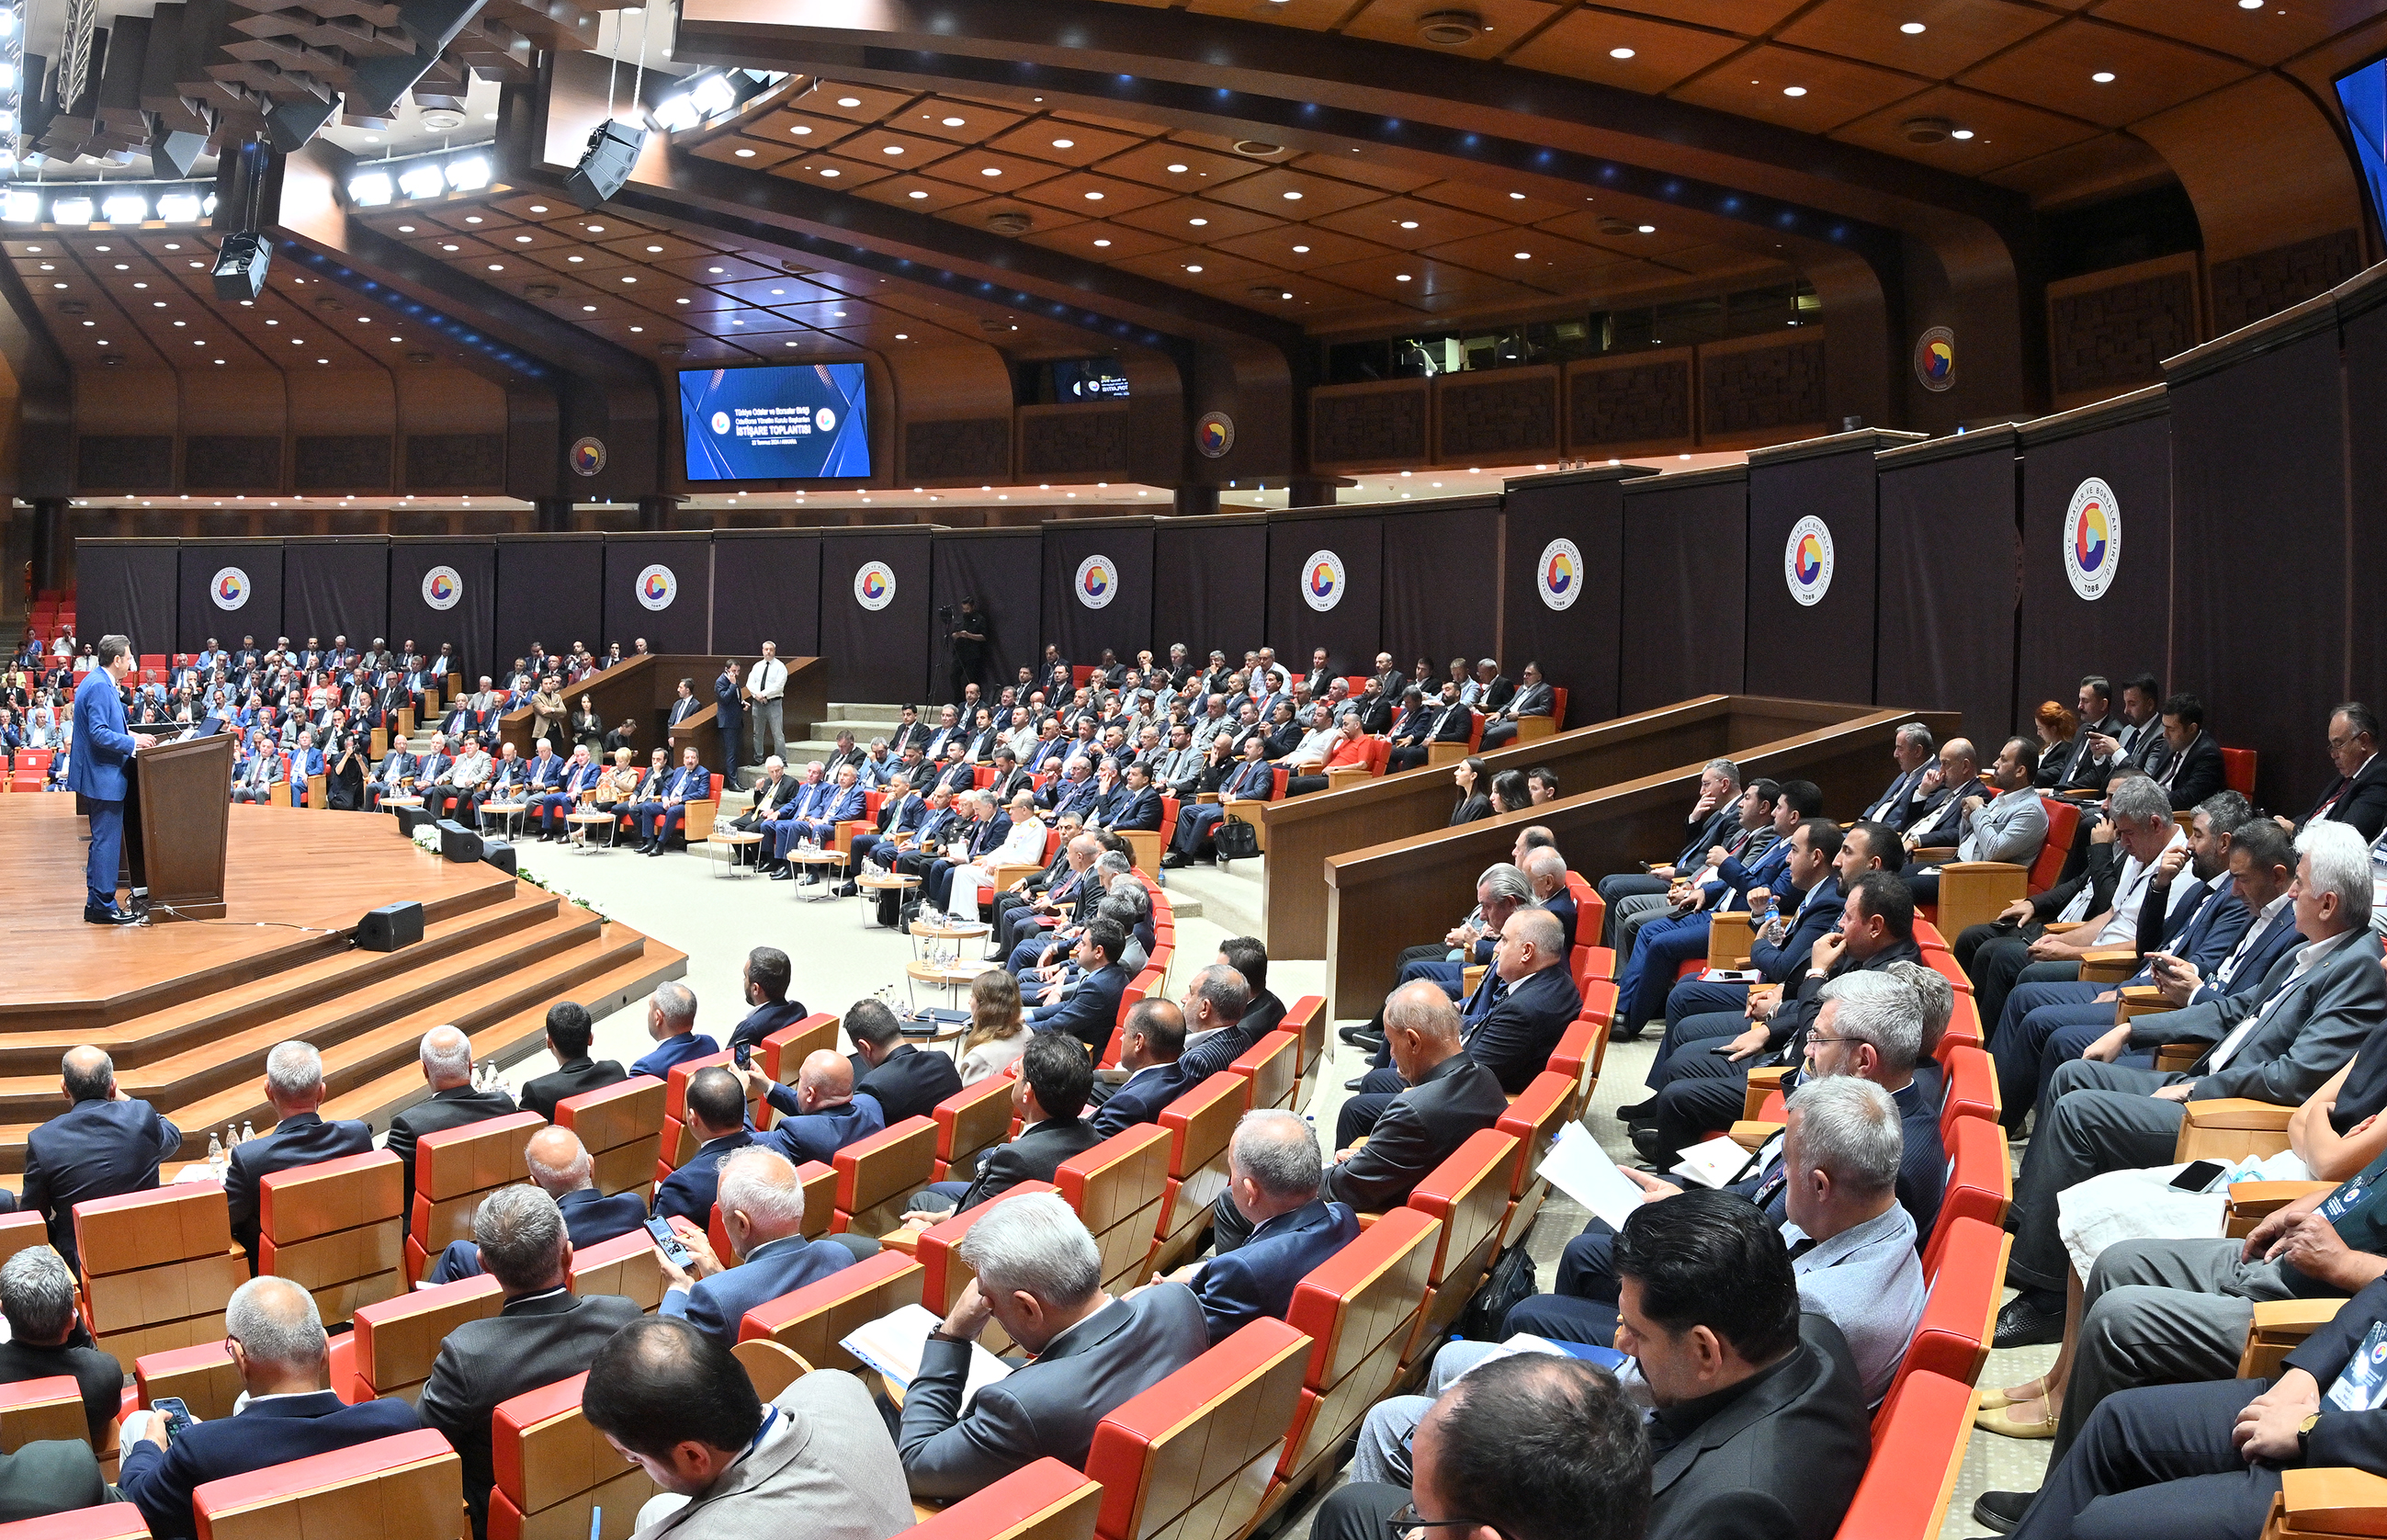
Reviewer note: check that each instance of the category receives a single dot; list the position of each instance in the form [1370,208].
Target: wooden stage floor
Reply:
[189,1008]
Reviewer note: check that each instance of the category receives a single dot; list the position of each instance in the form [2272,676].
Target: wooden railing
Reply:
[644,688]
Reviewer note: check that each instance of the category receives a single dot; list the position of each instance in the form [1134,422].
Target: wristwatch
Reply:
[2303,1436]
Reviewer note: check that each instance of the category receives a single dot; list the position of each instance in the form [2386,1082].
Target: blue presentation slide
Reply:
[794,422]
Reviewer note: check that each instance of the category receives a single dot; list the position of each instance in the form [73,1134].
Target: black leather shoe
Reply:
[2001,1512]
[1360,1037]
[784,874]
[1355,1084]
[2022,1325]
[1639,1111]
[1650,1148]
[93,914]
[1172,861]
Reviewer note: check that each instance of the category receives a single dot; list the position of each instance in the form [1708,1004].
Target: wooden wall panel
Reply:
[1766,389]
[1638,404]
[1364,427]
[1497,416]
[2109,332]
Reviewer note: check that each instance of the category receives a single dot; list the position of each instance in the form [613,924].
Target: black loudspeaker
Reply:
[612,152]
[240,266]
[498,853]
[388,928]
[410,819]
[457,843]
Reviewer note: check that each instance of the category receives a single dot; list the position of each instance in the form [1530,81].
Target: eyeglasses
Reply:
[1817,1040]
[1404,1524]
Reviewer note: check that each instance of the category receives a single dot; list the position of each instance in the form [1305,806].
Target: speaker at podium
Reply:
[177,811]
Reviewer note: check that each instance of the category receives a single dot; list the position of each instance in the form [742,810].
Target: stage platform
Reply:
[189,1009]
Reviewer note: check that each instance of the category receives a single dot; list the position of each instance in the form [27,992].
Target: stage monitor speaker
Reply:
[457,843]
[388,928]
[498,853]
[410,819]
[240,266]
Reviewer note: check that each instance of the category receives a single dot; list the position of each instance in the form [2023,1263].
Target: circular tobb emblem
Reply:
[1214,434]
[657,587]
[1559,577]
[442,587]
[587,456]
[1807,561]
[1321,580]
[1934,358]
[229,589]
[1098,582]
[874,585]
[2093,538]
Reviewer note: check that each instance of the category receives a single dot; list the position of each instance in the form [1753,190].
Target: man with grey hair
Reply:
[104,1145]
[1039,1274]
[1936,999]
[761,1203]
[447,1057]
[1906,798]
[670,1022]
[46,1338]
[1216,1000]
[1273,1173]
[1714,816]
[561,1167]
[2278,1043]
[1500,891]
[542,1334]
[294,1086]
[276,1341]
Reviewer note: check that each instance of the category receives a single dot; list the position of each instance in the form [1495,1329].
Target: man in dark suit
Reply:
[541,1334]
[1046,1096]
[277,1344]
[716,1115]
[820,1113]
[1151,1041]
[1715,819]
[2189,765]
[1220,1023]
[560,1164]
[729,716]
[1273,1173]
[1448,720]
[1138,803]
[671,1023]
[1040,1274]
[767,975]
[293,1083]
[569,1032]
[903,1078]
[104,1145]
[103,752]
[772,791]
[763,1215]
[50,1476]
[446,1057]
[656,819]
[1912,747]
[1092,1010]
[1533,697]
[2358,796]
[46,1337]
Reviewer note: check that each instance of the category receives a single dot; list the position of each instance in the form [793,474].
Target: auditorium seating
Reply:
[405,1487]
[1468,1192]
[876,1175]
[1306,1017]
[1119,1188]
[109,1521]
[1533,1119]
[454,1169]
[398,1339]
[812,1321]
[627,1265]
[678,1141]
[943,1274]
[553,1466]
[48,1407]
[157,1268]
[202,1375]
[1200,1122]
[1273,1067]
[1918,1451]
[620,1127]
[1046,1500]
[1192,1454]
[784,1051]
[337,1228]
[969,1122]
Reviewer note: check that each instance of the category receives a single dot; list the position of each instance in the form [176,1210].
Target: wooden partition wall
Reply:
[645,688]
[1384,897]
[1305,831]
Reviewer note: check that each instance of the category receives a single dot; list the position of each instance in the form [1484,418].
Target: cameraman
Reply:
[967,639]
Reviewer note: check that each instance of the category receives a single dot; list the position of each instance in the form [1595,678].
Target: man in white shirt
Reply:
[1024,846]
[766,685]
[2143,826]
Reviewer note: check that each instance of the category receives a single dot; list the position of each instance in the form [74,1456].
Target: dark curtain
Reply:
[681,623]
[2127,629]
[876,656]
[2259,567]
[335,586]
[1123,622]
[2365,340]
[1353,629]
[1000,568]
[469,623]
[200,597]
[126,589]
[1684,587]
[1441,585]
[1946,640]
[550,590]
[1210,587]
[1577,646]
[1824,651]
[766,587]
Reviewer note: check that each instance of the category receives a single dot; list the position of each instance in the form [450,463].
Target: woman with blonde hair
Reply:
[998,1033]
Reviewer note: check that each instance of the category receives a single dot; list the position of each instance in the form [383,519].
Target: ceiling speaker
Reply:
[1451,29]
[1926,131]
[1010,223]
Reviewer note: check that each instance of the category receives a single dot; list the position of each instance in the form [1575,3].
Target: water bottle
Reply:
[246,1132]
[215,1156]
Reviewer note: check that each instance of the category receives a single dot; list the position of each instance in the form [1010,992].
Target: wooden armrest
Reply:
[2280,1319]
[2333,1500]
[1931,855]
[1752,1135]
[902,1238]
[2057,928]
[2108,965]
[1205,796]
[2255,1199]
[1770,1076]
[1980,866]
[2239,1112]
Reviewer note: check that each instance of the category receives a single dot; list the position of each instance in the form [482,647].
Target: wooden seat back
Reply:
[337,1228]
[454,1169]
[1306,1017]
[1360,1308]
[398,1339]
[204,1376]
[971,1121]
[157,1268]
[1117,1189]
[552,1467]
[1273,1067]
[1918,1451]
[1044,1500]
[784,1051]
[620,1126]
[1468,1192]
[679,1140]
[1960,1315]
[409,1486]
[1200,1121]
[49,1408]
[769,1366]
[812,1321]
[1533,1119]
[876,1175]
[1192,1455]
[627,1265]
[945,1275]
[22,1231]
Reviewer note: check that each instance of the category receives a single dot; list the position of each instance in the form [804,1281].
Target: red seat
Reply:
[553,1466]
[107,1522]
[454,1169]
[1533,1119]
[1918,1450]
[1119,1188]
[1192,1455]
[975,1119]
[2063,822]
[1200,1122]
[620,1127]
[1273,1066]
[1468,1192]
[876,1175]
[1980,1183]
[398,1488]
[1971,1085]
[812,1321]
[1046,1500]
[2238,770]
[1960,1315]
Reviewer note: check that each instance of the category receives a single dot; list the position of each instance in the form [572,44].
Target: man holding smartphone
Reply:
[761,1203]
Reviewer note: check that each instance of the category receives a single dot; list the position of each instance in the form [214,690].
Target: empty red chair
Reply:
[1980,1183]
[1918,1451]
[1961,1313]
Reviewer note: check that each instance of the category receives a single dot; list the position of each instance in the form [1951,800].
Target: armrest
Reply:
[902,1238]
[2108,965]
[2057,928]
[2293,1320]
[2177,1056]
[2239,1112]
[1981,866]
[1762,1082]
[2333,1500]
[1751,1134]
[2252,1200]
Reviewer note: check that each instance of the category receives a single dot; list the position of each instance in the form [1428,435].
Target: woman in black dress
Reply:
[1473,801]
[346,788]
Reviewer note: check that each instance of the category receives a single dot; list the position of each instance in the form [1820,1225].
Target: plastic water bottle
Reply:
[246,1132]
[215,1156]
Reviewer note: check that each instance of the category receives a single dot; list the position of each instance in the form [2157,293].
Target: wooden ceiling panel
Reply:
[2278,30]
[1282,192]
[1584,227]
[1098,241]
[899,152]
[782,290]
[2003,132]
[1087,193]
[992,170]
[1408,224]
[1066,143]
[580,261]
[1187,264]
[738,149]
[831,171]
[1353,165]
[651,246]
[806,131]
[1503,22]
[2108,164]
[1310,15]
[2055,69]
[464,217]
[855,104]
[954,118]
[828,314]
[1832,91]
[1535,257]
[713,268]
[1198,219]
[1299,248]
[1197,169]
[1957,34]
[920,193]
[1584,44]
[1493,201]
[1040,217]
[1748,18]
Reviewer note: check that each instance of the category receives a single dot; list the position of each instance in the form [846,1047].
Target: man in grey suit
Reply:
[2276,1043]
[1040,1274]
[816,1461]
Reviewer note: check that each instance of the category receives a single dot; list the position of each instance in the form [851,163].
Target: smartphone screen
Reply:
[2198,1175]
[177,1415]
[667,1241]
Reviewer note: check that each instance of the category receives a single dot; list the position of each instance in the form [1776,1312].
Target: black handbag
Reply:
[1236,839]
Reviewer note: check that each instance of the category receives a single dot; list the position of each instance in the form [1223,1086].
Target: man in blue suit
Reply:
[716,1115]
[1274,1173]
[1137,804]
[1152,1040]
[1091,1011]
[104,1145]
[561,1167]
[762,1214]
[671,1021]
[691,783]
[820,1115]
[276,1340]
[293,1084]
[103,752]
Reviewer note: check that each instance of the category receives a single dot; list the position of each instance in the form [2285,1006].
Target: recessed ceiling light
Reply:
[1646,229]
[1178,169]
[831,170]
[1409,224]
[1620,53]
[1518,195]
[475,219]
[902,337]
[801,129]
[952,122]
[849,101]
[1193,267]
[990,170]
[497,267]
[539,209]
[890,149]
[915,193]
[654,248]
[1524,256]
[1292,198]
[1064,144]
[575,258]
[1093,198]
[1301,248]
[1400,278]
[521,240]
[1101,243]
[1911,28]
[743,155]
[1960,133]
[712,270]
[2103,77]
[1794,90]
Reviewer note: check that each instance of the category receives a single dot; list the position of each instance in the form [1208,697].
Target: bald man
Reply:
[446,1058]
[821,1114]
[563,1169]
[1274,1174]
[104,1145]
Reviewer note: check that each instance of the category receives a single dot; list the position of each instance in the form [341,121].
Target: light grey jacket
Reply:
[2011,827]
[826,1470]
[2317,1023]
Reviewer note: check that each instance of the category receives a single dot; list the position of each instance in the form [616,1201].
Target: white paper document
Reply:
[1579,1167]
[1714,1162]
[892,1344]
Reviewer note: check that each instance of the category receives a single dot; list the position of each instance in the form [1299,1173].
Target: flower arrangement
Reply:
[564,894]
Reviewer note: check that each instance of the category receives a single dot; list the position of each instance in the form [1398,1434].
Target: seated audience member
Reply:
[1039,1274]
[1030,891]
[1090,1011]
[2318,1006]
[974,847]
[1448,1097]
[1904,799]
[1750,839]
[1958,777]
[1714,815]
[294,1086]
[561,1167]
[1500,891]
[670,1022]
[767,974]
[580,780]
[2359,794]
[1531,1446]
[1274,1173]
[1197,823]
[2009,825]
[104,1145]
[1216,1010]
[903,1078]
[46,1338]
[763,1215]
[1743,882]
[821,1114]
[1533,697]
[998,1028]
[717,1117]
[1047,1096]
[446,1058]
[275,1337]
[1152,1040]
[1445,720]
[1016,840]
[664,808]
[2190,768]
[1547,870]
[569,1032]
[543,1332]
[816,1460]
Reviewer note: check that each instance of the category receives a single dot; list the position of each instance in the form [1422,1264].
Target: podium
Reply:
[177,810]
